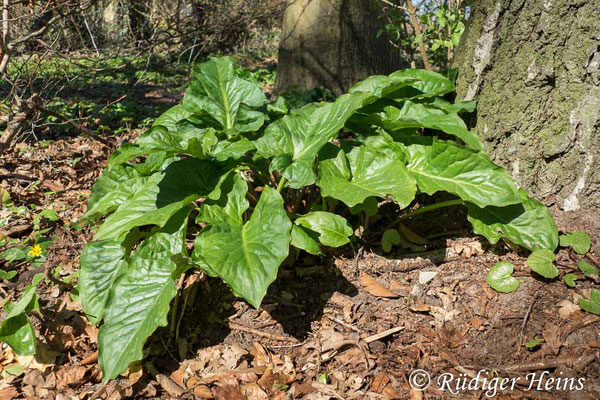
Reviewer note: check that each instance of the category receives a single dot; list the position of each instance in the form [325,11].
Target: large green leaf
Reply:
[16,330]
[528,224]
[305,239]
[228,98]
[114,187]
[362,173]
[165,193]
[406,84]
[415,115]
[101,264]
[427,83]
[439,165]
[158,139]
[382,85]
[18,333]
[296,139]
[139,299]
[333,230]
[245,255]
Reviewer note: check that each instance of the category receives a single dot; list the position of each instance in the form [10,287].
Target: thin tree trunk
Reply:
[333,43]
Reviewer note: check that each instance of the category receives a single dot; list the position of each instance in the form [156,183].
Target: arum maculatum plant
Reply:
[260,179]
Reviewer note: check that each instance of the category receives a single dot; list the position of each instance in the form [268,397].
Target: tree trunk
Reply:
[333,43]
[534,67]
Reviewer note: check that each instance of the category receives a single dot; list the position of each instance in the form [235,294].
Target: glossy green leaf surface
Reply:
[579,241]
[295,139]
[101,264]
[541,261]
[333,230]
[500,279]
[363,173]
[246,255]
[139,300]
[165,193]
[439,165]
[229,99]
[528,224]
[305,239]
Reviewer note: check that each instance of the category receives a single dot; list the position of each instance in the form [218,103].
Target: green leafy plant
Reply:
[579,241]
[15,329]
[257,183]
[500,279]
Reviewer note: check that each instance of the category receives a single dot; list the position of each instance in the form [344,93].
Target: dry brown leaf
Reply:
[171,387]
[552,336]
[70,375]
[228,392]
[566,308]
[8,393]
[416,394]
[379,383]
[253,392]
[420,307]
[390,393]
[375,288]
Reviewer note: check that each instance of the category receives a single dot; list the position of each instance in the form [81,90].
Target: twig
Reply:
[526,317]
[417,27]
[383,334]
[239,327]
[342,323]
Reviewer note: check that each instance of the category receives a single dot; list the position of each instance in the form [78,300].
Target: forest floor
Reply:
[344,326]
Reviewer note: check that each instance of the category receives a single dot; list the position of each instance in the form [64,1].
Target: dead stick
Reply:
[383,334]
[243,328]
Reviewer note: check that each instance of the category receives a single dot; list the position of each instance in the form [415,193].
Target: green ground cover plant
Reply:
[256,178]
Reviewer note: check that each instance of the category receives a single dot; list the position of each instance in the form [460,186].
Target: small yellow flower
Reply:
[35,251]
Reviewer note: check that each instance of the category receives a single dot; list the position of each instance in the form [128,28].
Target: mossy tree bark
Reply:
[333,43]
[534,67]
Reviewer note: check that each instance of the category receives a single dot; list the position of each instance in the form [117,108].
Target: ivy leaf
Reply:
[570,280]
[228,98]
[364,173]
[445,166]
[245,255]
[500,279]
[593,304]
[333,230]
[390,238]
[101,264]
[165,193]
[305,239]
[580,241]
[528,224]
[139,300]
[587,268]
[541,261]
[295,139]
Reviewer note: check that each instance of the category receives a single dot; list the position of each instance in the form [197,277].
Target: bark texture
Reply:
[333,43]
[534,67]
